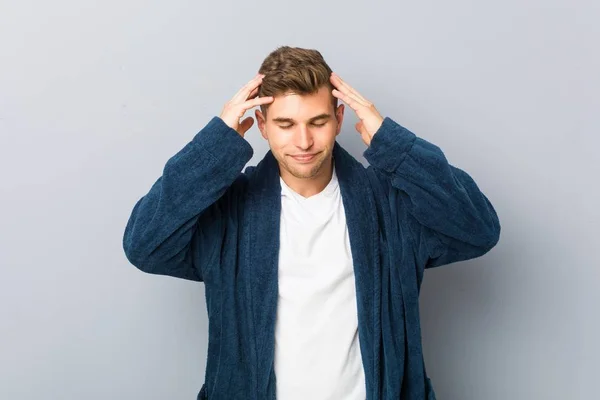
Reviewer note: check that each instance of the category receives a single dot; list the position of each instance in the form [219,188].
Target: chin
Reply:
[306,171]
[303,174]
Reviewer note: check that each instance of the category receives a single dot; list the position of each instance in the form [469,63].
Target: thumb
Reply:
[360,128]
[245,125]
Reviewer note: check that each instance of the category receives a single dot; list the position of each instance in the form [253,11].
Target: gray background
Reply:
[96,96]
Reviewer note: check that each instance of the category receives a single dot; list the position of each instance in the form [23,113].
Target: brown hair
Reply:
[294,69]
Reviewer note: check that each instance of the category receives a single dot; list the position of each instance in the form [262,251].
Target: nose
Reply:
[303,138]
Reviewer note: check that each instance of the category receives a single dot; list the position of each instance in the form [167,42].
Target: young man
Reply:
[312,263]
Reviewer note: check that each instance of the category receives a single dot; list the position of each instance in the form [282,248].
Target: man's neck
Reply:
[307,187]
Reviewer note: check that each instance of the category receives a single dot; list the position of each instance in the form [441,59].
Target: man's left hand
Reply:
[370,119]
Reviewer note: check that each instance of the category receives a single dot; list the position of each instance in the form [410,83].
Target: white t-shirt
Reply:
[317,353]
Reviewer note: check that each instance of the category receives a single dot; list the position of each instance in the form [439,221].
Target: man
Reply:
[312,263]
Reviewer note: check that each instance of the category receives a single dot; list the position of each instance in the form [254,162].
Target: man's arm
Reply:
[180,217]
[158,236]
[453,219]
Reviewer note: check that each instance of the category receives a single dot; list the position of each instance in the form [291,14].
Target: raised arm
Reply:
[451,219]
[169,227]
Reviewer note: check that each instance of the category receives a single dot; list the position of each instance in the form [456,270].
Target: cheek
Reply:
[278,139]
[328,135]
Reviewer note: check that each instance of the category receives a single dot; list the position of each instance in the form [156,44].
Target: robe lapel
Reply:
[263,256]
[361,218]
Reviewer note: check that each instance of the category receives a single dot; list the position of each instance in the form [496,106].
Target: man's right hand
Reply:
[245,99]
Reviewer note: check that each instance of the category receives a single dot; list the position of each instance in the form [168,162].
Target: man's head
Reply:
[304,117]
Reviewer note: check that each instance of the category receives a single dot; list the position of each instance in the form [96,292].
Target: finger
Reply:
[347,89]
[245,125]
[253,94]
[245,91]
[351,101]
[258,101]
[348,95]
[360,127]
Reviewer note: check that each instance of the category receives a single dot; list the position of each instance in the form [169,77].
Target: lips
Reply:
[303,157]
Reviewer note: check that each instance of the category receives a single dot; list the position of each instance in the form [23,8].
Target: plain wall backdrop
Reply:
[95,97]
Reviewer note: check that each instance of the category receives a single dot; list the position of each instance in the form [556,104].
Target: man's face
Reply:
[301,131]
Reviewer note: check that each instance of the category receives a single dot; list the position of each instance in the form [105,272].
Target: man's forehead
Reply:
[295,106]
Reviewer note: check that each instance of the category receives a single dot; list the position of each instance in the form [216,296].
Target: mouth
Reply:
[304,158]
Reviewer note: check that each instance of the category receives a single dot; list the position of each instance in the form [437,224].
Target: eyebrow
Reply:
[291,120]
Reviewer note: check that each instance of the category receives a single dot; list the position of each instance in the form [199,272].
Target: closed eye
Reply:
[313,124]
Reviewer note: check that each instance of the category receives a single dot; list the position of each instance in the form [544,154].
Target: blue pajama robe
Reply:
[208,219]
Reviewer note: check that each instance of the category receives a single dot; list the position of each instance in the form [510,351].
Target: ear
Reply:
[339,116]
[261,120]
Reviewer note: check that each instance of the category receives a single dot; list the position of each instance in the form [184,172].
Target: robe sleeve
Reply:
[451,219]
[179,223]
